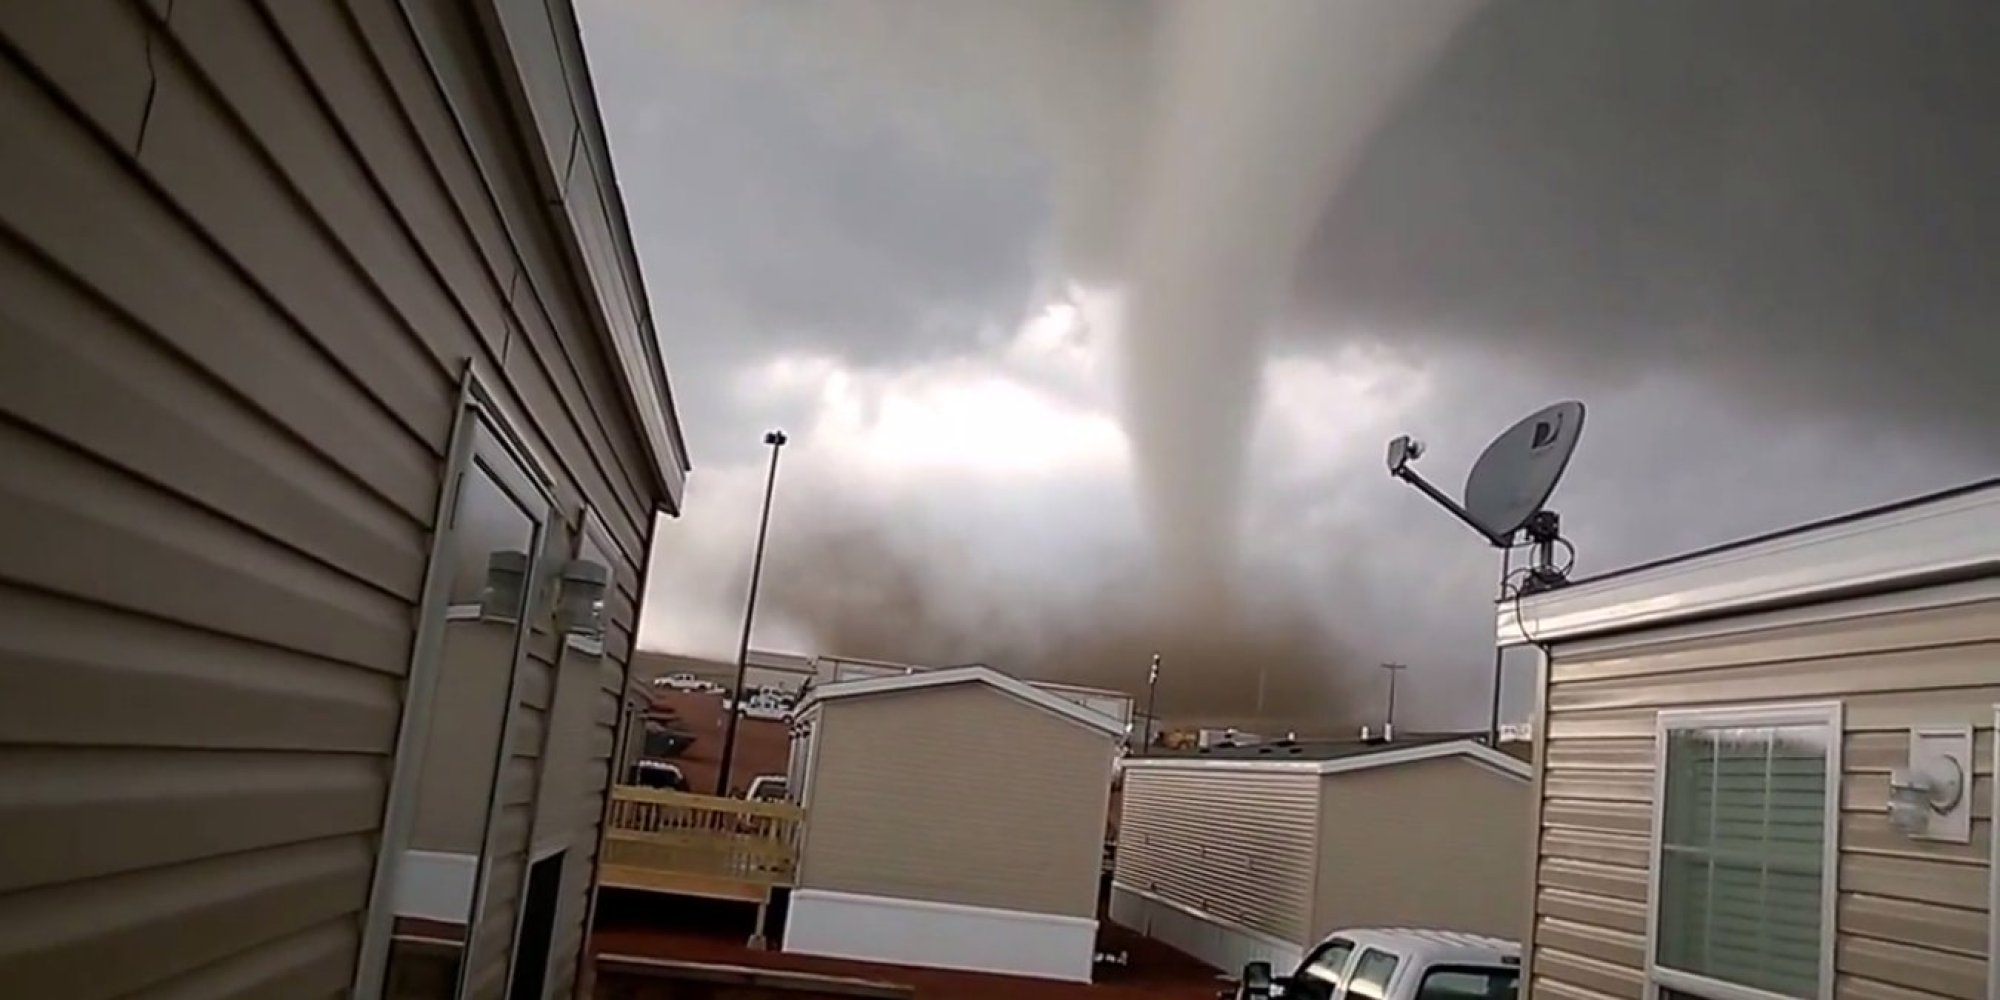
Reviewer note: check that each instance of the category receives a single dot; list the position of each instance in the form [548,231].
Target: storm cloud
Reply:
[1757,241]
[1795,201]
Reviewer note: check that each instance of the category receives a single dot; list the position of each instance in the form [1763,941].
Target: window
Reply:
[1372,974]
[1319,976]
[1469,983]
[1749,799]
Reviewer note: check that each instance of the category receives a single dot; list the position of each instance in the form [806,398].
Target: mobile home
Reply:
[1254,854]
[336,430]
[953,818]
[1766,770]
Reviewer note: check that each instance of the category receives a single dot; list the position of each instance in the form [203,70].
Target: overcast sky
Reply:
[1089,321]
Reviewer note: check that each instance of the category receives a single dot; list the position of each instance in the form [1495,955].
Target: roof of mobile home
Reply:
[1938,538]
[1349,757]
[931,679]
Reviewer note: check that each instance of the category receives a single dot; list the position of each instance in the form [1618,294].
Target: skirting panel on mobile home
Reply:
[1211,939]
[941,935]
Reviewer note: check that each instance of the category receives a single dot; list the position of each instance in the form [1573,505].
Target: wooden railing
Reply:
[700,845]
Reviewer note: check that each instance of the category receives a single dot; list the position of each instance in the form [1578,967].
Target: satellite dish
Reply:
[1503,499]
[1516,473]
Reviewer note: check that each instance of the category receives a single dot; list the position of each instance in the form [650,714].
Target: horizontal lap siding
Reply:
[247,250]
[407,86]
[217,510]
[1237,845]
[1912,917]
[960,794]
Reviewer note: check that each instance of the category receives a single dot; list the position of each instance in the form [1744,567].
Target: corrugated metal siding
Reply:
[960,794]
[1912,919]
[1396,850]
[246,251]
[1239,845]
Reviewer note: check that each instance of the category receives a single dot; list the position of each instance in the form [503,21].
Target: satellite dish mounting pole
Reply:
[1499,655]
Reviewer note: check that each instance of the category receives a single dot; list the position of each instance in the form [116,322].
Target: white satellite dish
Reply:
[1516,473]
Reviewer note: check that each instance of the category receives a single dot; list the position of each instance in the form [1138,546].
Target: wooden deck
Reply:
[700,845]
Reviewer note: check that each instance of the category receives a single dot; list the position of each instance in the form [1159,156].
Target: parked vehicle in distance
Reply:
[767,711]
[659,774]
[766,788]
[767,704]
[679,682]
[1394,964]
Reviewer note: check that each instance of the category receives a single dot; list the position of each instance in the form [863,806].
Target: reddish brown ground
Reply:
[699,931]
[761,747]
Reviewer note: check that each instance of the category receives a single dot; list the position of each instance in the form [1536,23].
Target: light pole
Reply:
[776,439]
[1389,726]
[1152,689]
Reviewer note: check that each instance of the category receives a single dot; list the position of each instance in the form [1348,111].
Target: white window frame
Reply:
[1993,877]
[1828,715]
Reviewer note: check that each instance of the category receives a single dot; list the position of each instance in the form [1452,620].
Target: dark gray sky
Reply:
[1758,240]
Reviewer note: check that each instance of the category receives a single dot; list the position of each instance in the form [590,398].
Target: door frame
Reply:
[494,441]
[474,414]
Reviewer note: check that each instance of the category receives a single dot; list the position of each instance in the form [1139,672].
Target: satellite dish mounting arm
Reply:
[1410,476]
[1405,449]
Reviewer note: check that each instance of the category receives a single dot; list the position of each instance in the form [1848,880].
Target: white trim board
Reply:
[940,935]
[436,885]
[1479,753]
[582,204]
[1222,944]
[1054,704]
[1954,535]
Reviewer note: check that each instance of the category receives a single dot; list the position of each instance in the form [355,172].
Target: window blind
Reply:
[1742,852]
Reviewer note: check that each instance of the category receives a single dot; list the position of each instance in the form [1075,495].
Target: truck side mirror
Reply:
[1257,981]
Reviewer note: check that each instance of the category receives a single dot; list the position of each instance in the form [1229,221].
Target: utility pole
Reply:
[1152,690]
[776,439]
[1389,728]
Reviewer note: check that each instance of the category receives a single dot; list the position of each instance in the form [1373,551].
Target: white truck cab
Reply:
[1394,964]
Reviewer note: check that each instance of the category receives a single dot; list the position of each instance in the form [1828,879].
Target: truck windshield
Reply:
[1469,982]
[1319,976]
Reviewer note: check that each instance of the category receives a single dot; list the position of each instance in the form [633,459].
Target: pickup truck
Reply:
[1394,964]
[766,788]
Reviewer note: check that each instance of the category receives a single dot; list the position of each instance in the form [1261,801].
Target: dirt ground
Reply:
[700,931]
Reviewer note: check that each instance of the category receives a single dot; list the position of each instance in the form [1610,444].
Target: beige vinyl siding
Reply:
[1911,921]
[1398,848]
[958,794]
[247,254]
[589,779]
[1235,844]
